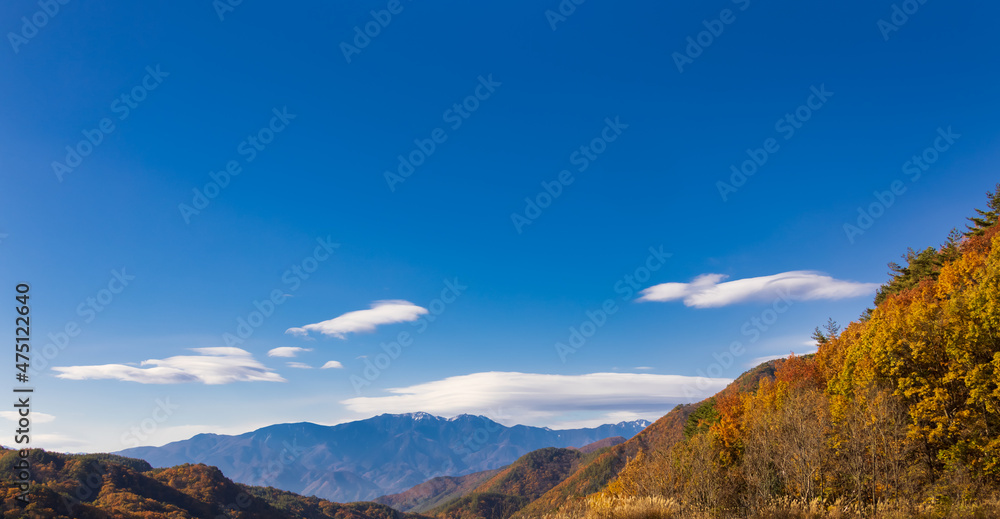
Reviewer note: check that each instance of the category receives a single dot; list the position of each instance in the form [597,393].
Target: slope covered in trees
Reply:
[596,475]
[897,415]
[500,492]
[516,485]
[435,492]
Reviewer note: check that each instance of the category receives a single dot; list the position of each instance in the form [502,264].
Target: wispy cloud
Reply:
[533,395]
[58,442]
[708,290]
[299,365]
[381,312]
[211,366]
[286,351]
[605,418]
[332,364]
[36,417]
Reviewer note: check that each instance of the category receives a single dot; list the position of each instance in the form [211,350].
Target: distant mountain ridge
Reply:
[361,460]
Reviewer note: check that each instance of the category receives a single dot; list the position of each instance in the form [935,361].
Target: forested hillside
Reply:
[897,415]
[104,486]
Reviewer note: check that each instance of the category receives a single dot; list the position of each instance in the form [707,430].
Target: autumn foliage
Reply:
[104,486]
[898,415]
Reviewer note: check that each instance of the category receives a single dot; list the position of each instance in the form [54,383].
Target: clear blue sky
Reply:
[196,88]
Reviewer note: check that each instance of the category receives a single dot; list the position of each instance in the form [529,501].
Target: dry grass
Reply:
[602,506]
[817,510]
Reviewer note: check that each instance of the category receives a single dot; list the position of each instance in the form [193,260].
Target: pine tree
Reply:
[919,265]
[819,337]
[829,332]
[986,219]
[832,329]
[951,250]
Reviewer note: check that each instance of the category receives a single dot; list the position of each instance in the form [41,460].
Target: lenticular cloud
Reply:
[381,312]
[542,395]
[211,366]
[708,290]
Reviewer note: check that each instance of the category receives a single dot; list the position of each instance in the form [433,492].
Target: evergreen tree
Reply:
[986,219]
[832,329]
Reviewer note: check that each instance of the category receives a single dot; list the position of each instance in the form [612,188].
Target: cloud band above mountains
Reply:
[709,290]
[540,395]
[381,312]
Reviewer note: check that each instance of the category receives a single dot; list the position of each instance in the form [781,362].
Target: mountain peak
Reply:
[467,416]
[417,416]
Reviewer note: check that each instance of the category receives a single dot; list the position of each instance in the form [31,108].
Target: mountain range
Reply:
[365,459]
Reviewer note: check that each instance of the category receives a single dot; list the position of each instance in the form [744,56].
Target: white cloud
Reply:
[541,396]
[299,365]
[35,416]
[58,442]
[643,368]
[708,290]
[286,351]
[605,418]
[332,364]
[381,312]
[212,366]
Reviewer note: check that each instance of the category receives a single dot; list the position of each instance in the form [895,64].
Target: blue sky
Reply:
[272,84]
